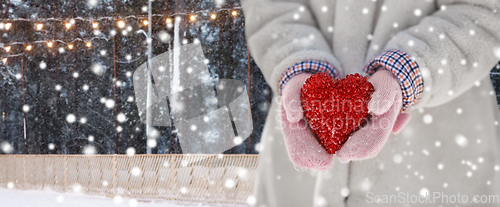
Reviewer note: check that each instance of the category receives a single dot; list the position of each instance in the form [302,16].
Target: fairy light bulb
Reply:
[95,25]
[88,44]
[145,22]
[4,60]
[7,49]
[29,47]
[49,44]
[234,13]
[168,20]
[192,18]
[213,16]
[39,26]
[7,26]
[70,46]
[68,25]
[121,24]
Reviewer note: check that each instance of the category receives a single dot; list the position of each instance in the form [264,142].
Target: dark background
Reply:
[222,39]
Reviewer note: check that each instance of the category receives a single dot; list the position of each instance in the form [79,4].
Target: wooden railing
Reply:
[196,178]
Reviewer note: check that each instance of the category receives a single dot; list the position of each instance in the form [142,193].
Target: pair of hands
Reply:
[304,149]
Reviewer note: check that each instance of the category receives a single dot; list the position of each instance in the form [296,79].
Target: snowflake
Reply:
[417,12]
[320,201]
[26,108]
[164,36]
[251,200]
[85,87]
[427,119]
[259,147]
[135,171]
[324,9]
[71,118]
[496,51]
[117,199]
[183,190]
[60,199]
[229,183]
[97,69]
[461,140]
[344,192]
[440,166]
[83,120]
[6,147]
[151,143]
[89,150]
[193,127]
[77,188]
[121,118]
[424,192]
[237,140]
[110,103]
[133,202]
[365,11]
[43,65]
[130,99]
[397,158]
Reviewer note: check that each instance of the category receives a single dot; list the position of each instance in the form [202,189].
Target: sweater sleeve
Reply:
[454,47]
[282,34]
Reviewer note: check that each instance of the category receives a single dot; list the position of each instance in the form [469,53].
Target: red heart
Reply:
[334,109]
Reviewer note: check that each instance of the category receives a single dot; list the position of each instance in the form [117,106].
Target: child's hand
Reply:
[303,148]
[385,107]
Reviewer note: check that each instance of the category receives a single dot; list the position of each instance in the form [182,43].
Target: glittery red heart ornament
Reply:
[334,109]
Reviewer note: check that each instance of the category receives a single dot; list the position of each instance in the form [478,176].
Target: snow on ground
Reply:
[33,198]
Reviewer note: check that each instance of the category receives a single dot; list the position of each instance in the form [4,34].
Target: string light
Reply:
[39,26]
[4,60]
[121,24]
